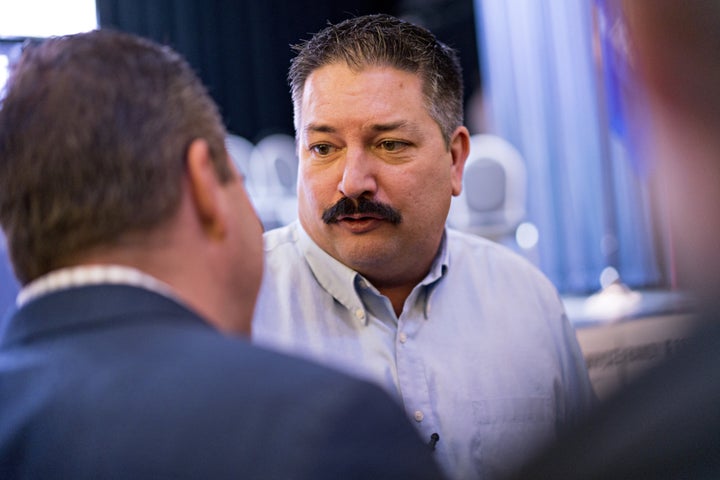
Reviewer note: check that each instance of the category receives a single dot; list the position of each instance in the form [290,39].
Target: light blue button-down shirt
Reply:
[482,353]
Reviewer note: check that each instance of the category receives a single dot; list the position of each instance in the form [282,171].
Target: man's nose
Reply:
[359,176]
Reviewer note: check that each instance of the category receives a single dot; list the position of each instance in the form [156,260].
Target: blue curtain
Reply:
[555,89]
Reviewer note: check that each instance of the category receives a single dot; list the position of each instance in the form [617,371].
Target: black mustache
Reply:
[347,206]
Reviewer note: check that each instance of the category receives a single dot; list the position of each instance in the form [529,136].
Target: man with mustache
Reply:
[470,338]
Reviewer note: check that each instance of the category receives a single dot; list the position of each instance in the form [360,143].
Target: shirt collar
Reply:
[337,279]
[439,268]
[84,275]
[441,263]
[340,281]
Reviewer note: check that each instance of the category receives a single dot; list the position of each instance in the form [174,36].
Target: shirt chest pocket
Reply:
[509,430]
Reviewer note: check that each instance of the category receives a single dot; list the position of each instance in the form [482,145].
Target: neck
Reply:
[165,257]
[397,296]
[397,287]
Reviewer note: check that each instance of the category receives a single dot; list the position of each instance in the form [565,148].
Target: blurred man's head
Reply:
[106,140]
[676,49]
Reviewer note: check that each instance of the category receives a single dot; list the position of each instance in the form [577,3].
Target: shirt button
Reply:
[360,314]
[419,416]
[403,337]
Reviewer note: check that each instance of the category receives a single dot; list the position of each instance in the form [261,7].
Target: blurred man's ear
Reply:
[205,188]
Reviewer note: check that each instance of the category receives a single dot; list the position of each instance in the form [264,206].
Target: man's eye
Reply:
[392,145]
[321,149]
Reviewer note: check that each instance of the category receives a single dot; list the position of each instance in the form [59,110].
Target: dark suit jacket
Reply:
[118,382]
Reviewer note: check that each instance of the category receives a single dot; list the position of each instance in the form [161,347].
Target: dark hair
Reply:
[383,40]
[94,130]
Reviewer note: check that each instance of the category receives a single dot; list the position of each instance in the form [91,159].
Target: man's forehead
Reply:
[323,103]
[336,73]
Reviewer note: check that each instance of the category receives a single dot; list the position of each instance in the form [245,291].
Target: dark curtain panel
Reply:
[453,22]
[240,48]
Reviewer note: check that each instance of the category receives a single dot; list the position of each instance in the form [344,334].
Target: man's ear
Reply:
[205,189]
[460,149]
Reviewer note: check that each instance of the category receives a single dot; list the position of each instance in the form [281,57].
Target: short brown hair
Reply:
[383,40]
[94,130]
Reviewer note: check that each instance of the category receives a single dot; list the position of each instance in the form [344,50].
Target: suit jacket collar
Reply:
[94,305]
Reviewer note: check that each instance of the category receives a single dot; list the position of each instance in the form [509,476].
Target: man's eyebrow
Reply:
[386,127]
[319,128]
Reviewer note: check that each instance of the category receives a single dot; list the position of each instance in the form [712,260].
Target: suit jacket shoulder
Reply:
[119,382]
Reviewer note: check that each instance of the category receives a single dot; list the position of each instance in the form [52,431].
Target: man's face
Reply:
[376,177]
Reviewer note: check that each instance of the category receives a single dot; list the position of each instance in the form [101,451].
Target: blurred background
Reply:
[556,172]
